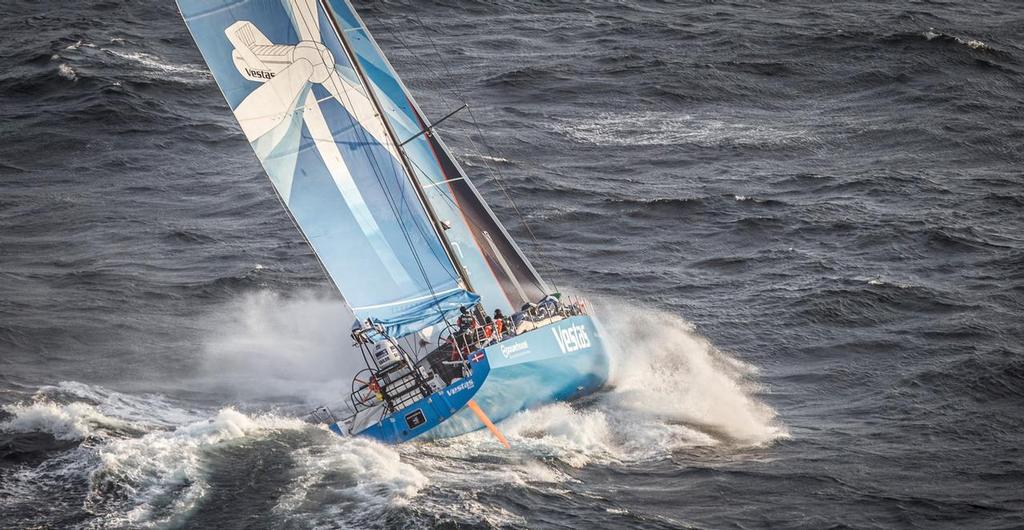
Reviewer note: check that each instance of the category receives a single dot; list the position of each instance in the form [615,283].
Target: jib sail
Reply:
[496,267]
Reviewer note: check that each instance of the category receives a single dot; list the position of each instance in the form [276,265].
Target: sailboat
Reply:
[398,227]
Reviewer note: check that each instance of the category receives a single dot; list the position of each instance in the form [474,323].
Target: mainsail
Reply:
[288,75]
[496,267]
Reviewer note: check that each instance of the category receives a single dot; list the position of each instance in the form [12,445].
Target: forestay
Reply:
[497,268]
[288,77]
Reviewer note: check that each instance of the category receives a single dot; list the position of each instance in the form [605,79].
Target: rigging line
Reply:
[397,37]
[378,174]
[449,85]
[380,112]
[495,171]
[454,90]
[440,59]
[495,177]
[448,71]
[453,256]
[353,56]
[501,186]
[429,128]
[422,62]
[435,184]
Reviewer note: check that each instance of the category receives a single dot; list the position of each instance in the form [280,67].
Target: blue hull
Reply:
[429,412]
[555,362]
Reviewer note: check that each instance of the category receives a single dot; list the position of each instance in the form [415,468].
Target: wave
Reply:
[664,370]
[67,72]
[526,76]
[484,161]
[159,471]
[880,281]
[76,411]
[160,477]
[114,64]
[349,479]
[670,390]
[74,421]
[974,44]
[652,128]
[153,62]
[146,461]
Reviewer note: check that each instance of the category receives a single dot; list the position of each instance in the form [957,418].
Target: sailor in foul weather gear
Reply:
[499,323]
[466,321]
[488,329]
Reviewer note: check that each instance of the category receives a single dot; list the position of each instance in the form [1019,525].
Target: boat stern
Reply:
[428,413]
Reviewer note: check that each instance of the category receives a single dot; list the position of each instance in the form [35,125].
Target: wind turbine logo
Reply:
[268,115]
[288,70]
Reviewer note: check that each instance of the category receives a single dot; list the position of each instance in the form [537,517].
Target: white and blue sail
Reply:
[290,80]
[394,220]
[495,265]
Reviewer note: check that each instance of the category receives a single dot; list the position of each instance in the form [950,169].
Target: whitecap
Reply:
[670,390]
[355,478]
[72,421]
[163,469]
[667,128]
[65,71]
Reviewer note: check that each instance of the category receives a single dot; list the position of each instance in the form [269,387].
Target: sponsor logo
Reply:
[415,419]
[515,348]
[572,338]
[465,385]
[259,74]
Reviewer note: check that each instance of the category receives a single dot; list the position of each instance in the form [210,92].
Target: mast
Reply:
[438,166]
[420,192]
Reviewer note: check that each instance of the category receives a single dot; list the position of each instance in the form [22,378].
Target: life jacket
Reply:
[374,387]
[499,326]
[488,330]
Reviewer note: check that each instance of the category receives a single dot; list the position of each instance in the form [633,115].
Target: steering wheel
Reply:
[444,337]
[364,386]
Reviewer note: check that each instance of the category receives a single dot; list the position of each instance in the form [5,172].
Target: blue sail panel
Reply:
[287,76]
[496,267]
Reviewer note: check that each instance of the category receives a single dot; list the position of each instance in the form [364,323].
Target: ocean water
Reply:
[802,223]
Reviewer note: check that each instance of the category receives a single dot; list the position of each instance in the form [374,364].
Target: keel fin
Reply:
[487,422]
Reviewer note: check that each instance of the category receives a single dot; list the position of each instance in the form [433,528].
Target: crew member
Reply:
[466,333]
[488,327]
[499,323]
[466,319]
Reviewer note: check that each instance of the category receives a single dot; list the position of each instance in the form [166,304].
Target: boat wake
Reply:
[670,390]
[126,471]
[147,460]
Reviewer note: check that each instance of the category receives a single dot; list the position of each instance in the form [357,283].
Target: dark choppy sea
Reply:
[805,221]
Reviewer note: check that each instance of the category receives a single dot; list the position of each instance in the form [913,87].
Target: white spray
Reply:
[266,346]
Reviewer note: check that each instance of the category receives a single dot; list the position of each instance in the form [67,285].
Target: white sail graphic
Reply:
[286,72]
[306,108]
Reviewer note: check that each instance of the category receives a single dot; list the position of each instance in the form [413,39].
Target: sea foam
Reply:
[670,389]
